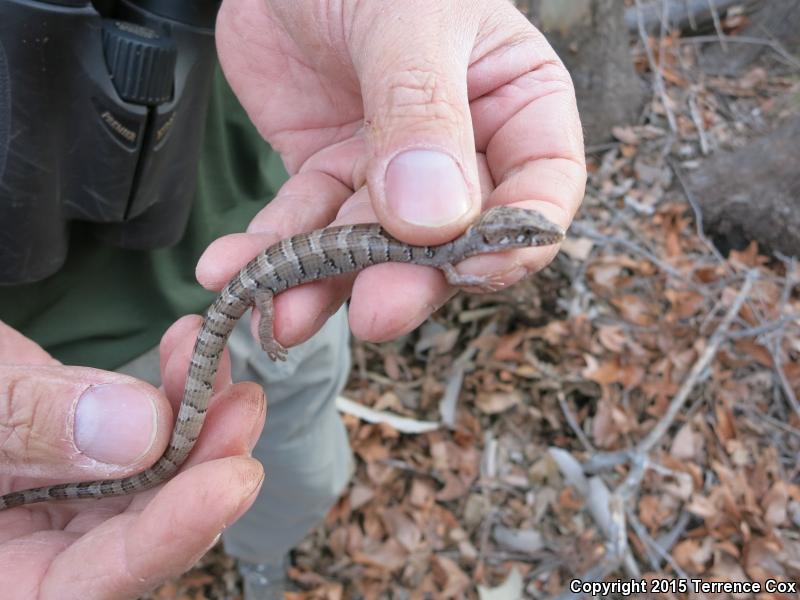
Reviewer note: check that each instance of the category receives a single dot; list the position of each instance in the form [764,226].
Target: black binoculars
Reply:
[102,111]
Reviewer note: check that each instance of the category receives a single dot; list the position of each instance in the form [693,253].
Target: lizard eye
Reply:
[522,237]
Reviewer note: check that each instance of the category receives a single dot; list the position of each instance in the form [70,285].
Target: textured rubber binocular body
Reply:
[102,111]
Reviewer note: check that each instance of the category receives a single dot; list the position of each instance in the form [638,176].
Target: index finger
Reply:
[526,121]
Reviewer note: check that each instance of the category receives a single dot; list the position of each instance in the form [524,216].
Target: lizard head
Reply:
[505,227]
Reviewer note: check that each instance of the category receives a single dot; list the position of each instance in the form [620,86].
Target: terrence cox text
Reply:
[636,587]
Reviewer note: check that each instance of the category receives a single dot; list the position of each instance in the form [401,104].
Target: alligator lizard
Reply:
[301,259]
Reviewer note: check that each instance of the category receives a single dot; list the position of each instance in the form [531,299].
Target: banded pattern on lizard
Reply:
[300,259]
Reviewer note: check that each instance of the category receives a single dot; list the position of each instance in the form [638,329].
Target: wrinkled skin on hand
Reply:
[115,547]
[466,95]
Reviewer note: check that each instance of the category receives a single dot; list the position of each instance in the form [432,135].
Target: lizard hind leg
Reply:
[273,348]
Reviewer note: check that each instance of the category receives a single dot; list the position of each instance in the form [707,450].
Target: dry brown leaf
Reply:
[454,487]
[687,443]
[749,257]
[337,541]
[197,579]
[694,555]
[702,507]
[355,539]
[436,340]
[760,559]
[391,365]
[681,487]
[609,423]
[578,248]
[775,504]
[626,135]
[380,473]
[388,556]
[327,591]
[306,578]
[402,528]
[389,401]
[452,581]
[652,513]
[570,500]
[422,494]
[506,349]
[168,591]
[635,309]
[475,509]
[612,371]
[726,424]
[555,332]
[443,453]
[604,430]
[493,403]
[672,244]
[685,303]
[727,569]
[672,76]
[372,451]
[755,351]
[606,275]
[510,589]
[613,337]
[359,495]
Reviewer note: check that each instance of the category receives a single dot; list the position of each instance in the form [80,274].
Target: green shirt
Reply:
[107,305]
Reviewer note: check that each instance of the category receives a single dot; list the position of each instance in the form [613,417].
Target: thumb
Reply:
[422,173]
[61,422]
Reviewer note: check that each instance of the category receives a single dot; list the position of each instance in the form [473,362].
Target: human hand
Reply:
[71,424]
[441,108]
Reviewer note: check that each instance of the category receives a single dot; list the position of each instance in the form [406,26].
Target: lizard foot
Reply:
[484,283]
[274,349]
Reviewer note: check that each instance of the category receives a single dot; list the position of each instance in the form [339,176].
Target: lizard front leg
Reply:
[264,303]
[490,283]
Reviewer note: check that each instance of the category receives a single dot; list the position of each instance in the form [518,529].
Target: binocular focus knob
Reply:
[141,62]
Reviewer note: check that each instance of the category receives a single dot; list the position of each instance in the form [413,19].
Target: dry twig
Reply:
[658,79]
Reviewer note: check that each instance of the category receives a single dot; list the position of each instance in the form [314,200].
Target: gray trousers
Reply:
[304,446]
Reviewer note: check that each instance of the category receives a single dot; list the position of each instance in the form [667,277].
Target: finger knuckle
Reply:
[419,94]
[17,414]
